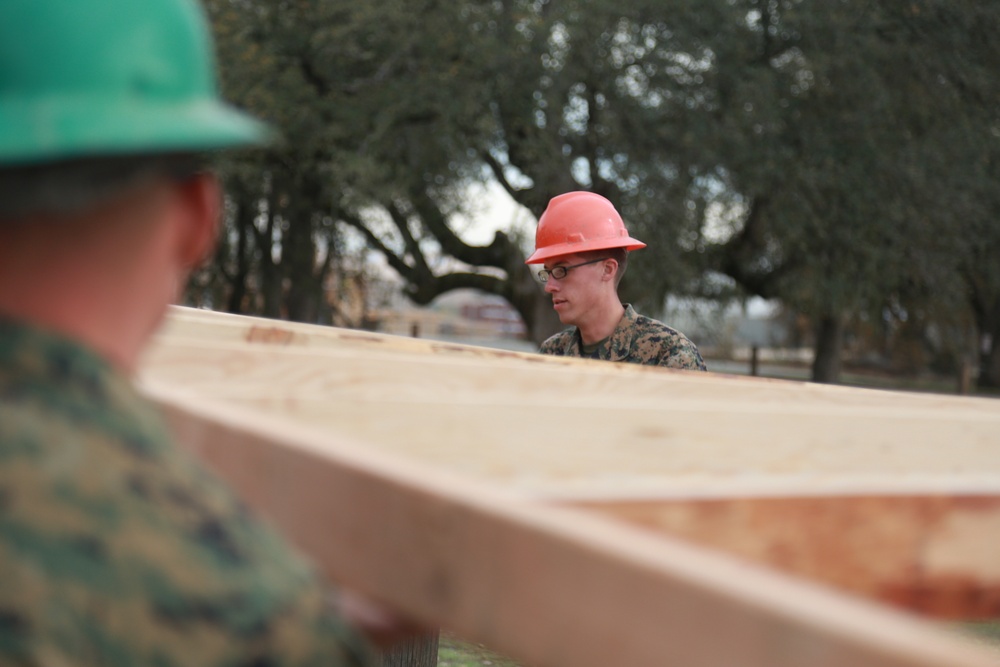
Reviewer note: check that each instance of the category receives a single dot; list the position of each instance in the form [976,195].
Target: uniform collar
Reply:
[616,346]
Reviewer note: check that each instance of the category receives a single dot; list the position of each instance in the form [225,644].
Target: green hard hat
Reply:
[85,78]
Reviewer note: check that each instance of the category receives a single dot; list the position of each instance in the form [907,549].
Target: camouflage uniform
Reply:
[637,339]
[117,549]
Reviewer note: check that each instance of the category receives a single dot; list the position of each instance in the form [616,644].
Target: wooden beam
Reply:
[206,325]
[784,473]
[934,554]
[552,587]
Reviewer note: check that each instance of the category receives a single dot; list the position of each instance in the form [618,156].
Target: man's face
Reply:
[577,292]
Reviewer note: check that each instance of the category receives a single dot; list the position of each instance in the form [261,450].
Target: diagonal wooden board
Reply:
[550,586]
[486,417]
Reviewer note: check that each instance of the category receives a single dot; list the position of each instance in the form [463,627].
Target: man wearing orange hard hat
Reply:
[583,244]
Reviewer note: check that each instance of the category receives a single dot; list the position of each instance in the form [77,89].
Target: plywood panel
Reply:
[886,494]
[581,431]
[552,587]
[207,325]
[934,554]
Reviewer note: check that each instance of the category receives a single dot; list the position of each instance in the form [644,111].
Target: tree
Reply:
[282,239]
[823,154]
[438,94]
[846,134]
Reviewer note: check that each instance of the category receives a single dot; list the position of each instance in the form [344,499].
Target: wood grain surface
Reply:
[890,495]
[552,587]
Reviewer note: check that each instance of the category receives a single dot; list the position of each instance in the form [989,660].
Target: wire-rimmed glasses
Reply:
[559,272]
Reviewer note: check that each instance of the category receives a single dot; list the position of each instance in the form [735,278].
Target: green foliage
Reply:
[839,156]
[874,122]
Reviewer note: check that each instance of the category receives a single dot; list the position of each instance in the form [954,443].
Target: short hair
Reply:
[73,186]
[620,255]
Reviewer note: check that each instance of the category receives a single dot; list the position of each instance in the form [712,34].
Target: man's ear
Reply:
[201,202]
[610,269]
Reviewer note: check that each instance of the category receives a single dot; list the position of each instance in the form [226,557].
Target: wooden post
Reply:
[417,652]
[965,376]
[753,360]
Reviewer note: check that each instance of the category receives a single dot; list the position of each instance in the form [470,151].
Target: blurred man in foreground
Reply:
[115,547]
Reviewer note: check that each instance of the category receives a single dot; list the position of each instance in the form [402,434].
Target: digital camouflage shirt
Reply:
[637,339]
[117,549]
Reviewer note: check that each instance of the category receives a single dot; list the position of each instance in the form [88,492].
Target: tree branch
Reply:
[498,173]
[407,272]
[427,291]
[434,219]
[399,218]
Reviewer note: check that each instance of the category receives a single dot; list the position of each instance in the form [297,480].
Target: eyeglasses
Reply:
[559,272]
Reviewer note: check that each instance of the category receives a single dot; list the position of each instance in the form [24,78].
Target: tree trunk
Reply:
[298,258]
[988,345]
[242,225]
[989,372]
[829,340]
[418,652]
[271,289]
[965,376]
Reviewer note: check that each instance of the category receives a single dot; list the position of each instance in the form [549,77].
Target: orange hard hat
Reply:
[579,222]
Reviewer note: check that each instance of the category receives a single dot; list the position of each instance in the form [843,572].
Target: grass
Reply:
[986,632]
[855,376]
[453,652]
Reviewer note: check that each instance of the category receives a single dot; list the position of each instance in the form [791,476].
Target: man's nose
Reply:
[551,285]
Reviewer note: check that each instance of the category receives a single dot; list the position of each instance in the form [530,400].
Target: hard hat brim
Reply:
[560,249]
[52,130]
